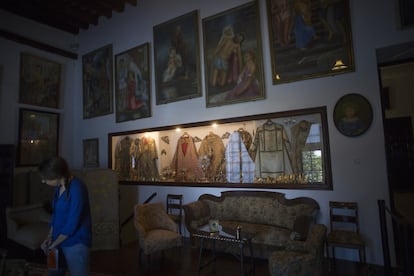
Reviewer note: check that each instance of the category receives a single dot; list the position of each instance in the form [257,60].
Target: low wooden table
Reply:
[221,236]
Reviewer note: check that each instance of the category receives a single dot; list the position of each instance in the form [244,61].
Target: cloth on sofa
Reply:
[28,225]
[272,220]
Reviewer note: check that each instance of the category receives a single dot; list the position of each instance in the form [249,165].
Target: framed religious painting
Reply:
[309,39]
[233,63]
[40,81]
[38,136]
[132,84]
[97,82]
[177,59]
[352,115]
[91,153]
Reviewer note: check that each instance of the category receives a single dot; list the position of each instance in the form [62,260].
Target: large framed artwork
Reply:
[40,81]
[284,150]
[132,84]
[97,82]
[38,136]
[177,59]
[309,39]
[233,56]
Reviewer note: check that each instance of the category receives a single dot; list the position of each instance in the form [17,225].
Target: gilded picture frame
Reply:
[38,136]
[133,84]
[97,82]
[40,81]
[233,59]
[309,40]
[177,59]
[352,115]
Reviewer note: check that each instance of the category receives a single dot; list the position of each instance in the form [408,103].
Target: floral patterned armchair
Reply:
[156,230]
[300,259]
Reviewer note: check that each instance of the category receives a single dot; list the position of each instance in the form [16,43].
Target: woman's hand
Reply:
[45,246]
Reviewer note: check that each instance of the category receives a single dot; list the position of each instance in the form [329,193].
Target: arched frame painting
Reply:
[284,150]
[352,115]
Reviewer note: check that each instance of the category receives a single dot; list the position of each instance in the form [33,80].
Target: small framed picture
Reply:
[352,115]
[38,136]
[40,81]
[91,153]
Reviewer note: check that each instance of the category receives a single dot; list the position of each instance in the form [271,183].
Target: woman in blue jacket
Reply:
[70,226]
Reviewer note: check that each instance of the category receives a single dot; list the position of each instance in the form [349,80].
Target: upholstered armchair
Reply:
[28,225]
[300,259]
[156,230]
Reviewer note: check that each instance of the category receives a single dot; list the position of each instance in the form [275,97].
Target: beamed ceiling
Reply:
[66,15]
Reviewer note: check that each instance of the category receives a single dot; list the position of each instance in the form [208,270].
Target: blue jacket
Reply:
[71,215]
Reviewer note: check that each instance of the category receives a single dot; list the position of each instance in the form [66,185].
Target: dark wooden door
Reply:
[7,157]
[399,146]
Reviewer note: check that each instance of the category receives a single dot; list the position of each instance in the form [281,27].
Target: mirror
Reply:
[284,150]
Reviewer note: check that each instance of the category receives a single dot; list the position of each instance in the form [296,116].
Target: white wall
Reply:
[9,84]
[358,164]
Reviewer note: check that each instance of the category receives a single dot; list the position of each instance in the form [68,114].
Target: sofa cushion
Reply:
[201,212]
[153,216]
[159,238]
[301,227]
[28,214]
[261,210]
[31,235]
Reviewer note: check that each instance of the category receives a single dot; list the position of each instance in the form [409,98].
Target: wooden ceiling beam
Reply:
[98,7]
[67,15]
[132,2]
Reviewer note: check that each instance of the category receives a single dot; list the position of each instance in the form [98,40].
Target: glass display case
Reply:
[288,150]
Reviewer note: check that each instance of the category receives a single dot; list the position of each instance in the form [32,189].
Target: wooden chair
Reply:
[175,208]
[344,230]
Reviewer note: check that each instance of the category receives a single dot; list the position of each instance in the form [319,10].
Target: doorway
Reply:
[397,82]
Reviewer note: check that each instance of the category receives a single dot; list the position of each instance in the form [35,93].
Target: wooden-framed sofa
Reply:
[274,222]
